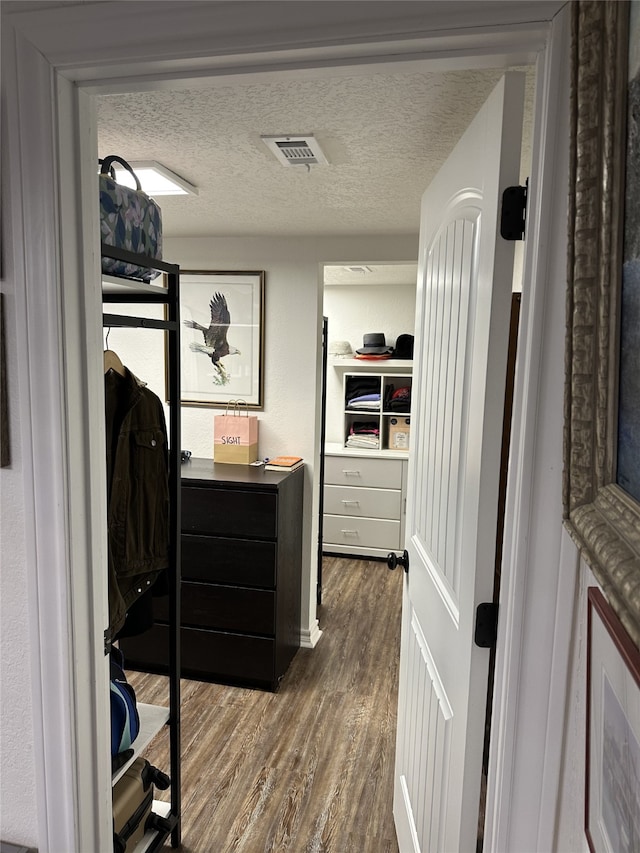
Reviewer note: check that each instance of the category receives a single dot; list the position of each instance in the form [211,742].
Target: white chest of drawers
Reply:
[364,504]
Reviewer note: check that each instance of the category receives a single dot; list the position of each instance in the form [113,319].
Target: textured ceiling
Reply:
[370,274]
[385,136]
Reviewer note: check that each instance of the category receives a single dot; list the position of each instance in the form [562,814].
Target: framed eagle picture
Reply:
[221,338]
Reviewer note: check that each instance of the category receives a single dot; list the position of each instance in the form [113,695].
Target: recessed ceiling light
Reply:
[154,178]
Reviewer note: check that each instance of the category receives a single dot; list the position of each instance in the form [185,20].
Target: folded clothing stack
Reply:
[365,401]
[398,399]
[363,392]
[364,434]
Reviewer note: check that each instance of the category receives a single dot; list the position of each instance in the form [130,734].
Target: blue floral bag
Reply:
[130,220]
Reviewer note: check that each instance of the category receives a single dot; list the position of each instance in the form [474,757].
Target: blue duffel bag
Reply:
[129,220]
[125,720]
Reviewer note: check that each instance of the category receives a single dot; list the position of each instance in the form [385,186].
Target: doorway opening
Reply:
[107,136]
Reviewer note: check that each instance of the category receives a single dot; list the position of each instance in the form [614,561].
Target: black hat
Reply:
[404,347]
[374,344]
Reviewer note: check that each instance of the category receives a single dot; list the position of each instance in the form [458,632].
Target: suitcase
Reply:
[130,220]
[132,802]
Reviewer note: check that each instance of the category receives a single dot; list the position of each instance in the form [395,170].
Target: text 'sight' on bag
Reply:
[235,435]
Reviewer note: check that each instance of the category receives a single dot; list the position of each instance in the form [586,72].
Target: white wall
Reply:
[18,814]
[352,312]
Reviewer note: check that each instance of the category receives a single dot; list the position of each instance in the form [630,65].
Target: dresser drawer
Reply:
[371,503]
[234,656]
[360,532]
[207,655]
[229,512]
[218,559]
[362,471]
[226,608]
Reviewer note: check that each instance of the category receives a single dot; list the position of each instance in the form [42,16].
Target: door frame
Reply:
[54,62]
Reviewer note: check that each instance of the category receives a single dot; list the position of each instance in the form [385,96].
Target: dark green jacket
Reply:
[137,491]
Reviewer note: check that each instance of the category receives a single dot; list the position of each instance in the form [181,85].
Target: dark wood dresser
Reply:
[241,571]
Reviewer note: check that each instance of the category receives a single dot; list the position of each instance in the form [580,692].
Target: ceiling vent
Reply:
[295,149]
[359,269]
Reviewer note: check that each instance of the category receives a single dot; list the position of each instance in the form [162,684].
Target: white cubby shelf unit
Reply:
[381,425]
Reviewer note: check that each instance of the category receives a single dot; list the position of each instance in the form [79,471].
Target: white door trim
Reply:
[45,115]
[531,587]
[43,456]
[62,424]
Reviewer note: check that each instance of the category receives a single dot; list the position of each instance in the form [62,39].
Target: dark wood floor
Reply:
[310,768]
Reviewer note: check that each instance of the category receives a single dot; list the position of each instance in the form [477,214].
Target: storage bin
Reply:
[398,434]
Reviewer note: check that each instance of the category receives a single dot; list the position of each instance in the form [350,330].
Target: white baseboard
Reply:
[309,638]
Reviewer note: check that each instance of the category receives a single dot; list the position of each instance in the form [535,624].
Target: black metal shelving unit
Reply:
[140,292]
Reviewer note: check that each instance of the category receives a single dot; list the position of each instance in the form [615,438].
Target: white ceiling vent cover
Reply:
[295,150]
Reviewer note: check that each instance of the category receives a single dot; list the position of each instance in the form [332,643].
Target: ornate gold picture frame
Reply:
[602,517]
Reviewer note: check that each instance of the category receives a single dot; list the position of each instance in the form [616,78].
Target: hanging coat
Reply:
[137,492]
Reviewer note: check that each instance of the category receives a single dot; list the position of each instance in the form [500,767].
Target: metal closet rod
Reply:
[134,258]
[116,320]
[138,297]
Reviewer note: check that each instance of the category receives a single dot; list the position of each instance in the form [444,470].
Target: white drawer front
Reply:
[371,503]
[360,532]
[362,471]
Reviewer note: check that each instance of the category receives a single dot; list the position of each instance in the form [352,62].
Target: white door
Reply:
[462,325]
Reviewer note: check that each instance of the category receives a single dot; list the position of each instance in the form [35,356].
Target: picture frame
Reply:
[602,517]
[612,791]
[5,449]
[222,337]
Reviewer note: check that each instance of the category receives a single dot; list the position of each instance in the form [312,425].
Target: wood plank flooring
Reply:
[308,769]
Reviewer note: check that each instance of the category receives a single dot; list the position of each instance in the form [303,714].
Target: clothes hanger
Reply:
[112,359]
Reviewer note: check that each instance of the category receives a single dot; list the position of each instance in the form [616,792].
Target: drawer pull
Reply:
[351,503]
[351,473]
[350,532]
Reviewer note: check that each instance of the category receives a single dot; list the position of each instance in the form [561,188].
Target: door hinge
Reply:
[514,212]
[108,641]
[486,625]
